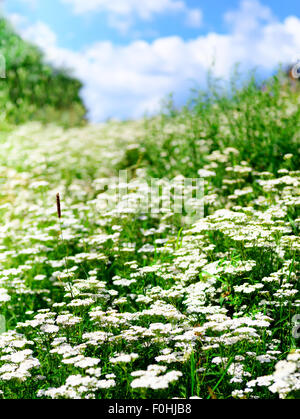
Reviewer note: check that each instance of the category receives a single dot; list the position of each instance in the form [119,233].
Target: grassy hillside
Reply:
[263,123]
[33,90]
[118,300]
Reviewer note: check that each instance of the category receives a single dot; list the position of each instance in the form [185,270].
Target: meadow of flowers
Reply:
[113,301]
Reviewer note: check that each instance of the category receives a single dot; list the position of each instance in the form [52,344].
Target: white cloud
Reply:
[41,35]
[125,81]
[249,17]
[17,20]
[194,18]
[144,9]
[122,13]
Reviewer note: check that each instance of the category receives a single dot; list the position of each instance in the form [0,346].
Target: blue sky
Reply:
[132,53]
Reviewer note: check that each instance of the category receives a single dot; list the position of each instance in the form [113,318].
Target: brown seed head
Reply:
[58,205]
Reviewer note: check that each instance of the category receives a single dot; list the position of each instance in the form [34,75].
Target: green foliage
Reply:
[32,89]
[262,122]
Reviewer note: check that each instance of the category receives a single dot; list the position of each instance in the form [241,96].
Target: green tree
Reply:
[32,89]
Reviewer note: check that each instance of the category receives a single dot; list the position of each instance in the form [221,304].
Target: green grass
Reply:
[137,304]
[262,124]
